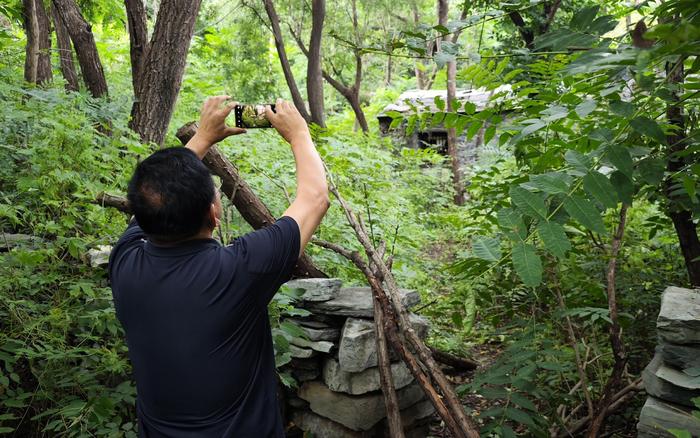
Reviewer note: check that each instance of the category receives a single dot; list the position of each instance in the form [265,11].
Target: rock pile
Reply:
[672,379]
[339,393]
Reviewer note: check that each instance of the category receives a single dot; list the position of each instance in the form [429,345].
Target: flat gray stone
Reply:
[357,302]
[99,256]
[658,416]
[679,318]
[309,322]
[320,346]
[300,353]
[356,412]
[322,334]
[358,351]
[680,356]
[668,384]
[12,240]
[320,427]
[316,289]
[365,381]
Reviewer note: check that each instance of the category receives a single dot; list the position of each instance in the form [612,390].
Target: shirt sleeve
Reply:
[133,233]
[271,253]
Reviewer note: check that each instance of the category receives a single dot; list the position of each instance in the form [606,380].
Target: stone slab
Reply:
[658,416]
[365,381]
[357,302]
[679,318]
[668,384]
[322,334]
[357,350]
[680,356]
[99,256]
[316,289]
[356,412]
[300,353]
[320,346]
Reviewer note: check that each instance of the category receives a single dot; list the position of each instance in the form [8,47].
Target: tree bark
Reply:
[314,78]
[138,39]
[284,61]
[80,33]
[37,65]
[65,52]
[686,229]
[162,68]
[251,208]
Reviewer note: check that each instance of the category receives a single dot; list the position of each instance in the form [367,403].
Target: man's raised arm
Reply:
[311,202]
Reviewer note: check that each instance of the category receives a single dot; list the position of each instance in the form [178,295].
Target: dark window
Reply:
[433,139]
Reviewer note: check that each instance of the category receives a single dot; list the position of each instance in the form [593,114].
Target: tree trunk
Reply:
[284,61]
[451,94]
[37,65]
[314,78]
[138,39]
[80,33]
[162,68]
[65,52]
[686,229]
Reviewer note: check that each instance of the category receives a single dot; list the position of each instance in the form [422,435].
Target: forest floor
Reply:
[622,424]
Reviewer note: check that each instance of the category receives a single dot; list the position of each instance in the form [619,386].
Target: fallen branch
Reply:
[456,362]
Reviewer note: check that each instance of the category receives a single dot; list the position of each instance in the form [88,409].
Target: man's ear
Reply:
[214,216]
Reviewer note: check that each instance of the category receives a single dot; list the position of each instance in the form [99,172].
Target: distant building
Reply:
[423,101]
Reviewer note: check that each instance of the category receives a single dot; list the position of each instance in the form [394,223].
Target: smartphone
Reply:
[252,116]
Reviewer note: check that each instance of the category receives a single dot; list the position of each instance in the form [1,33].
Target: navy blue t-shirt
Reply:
[197,328]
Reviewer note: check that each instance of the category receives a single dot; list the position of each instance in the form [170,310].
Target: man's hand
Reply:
[212,125]
[288,122]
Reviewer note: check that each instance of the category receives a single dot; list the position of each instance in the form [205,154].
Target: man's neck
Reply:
[203,234]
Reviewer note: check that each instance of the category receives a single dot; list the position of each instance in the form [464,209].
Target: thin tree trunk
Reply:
[80,33]
[314,77]
[451,95]
[686,229]
[618,348]
[284,61]
[138,39]
[65,52]
[162,69]
[37,65]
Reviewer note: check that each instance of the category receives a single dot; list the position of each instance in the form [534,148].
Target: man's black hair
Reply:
[170,194]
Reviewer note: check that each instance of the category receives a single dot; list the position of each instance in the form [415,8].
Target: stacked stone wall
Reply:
[339,393]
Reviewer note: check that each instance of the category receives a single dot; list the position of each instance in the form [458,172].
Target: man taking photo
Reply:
[194,311]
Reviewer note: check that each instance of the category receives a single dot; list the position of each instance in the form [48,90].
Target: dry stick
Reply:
[465,426]
[615,334]
[386,379]
[615,402]
[580,366]
[456,362]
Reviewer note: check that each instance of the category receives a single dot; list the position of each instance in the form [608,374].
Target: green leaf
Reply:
[621,108]
[578,161]
[599,187]
[486,248]
[679,433]
[554,238]
[585,213]
[510,220]
[473,128]
[648,127]
[553,183]
[522,401]
[519,416]
[651,170]
[585,108]
[529,129]
[527,264]
[619,156]
[529,203]
[623,186]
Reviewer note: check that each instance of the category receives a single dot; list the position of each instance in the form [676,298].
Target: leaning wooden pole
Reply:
[465,426]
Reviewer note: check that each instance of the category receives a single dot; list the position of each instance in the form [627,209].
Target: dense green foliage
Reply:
[577,134]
